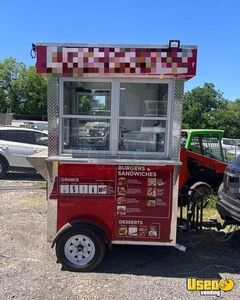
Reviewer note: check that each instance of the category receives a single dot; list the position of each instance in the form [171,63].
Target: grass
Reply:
[212,201]
[209,212]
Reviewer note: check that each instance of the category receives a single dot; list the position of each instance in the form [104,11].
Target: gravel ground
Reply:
[28,268]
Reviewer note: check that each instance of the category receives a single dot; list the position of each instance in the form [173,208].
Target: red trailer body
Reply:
[128,201]
[114,116]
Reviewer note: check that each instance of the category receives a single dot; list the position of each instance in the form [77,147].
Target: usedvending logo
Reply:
[210,287]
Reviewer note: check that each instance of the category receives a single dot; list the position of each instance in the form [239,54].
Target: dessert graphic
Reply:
[122,230]
[132,230]
[152,231]
[142,231]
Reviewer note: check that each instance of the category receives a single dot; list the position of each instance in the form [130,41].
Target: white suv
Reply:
[16,144]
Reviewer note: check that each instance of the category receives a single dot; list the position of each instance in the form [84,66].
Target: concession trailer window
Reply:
[86,116]
[143,117]
[115,116]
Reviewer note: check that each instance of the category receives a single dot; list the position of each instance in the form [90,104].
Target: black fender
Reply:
[87,224]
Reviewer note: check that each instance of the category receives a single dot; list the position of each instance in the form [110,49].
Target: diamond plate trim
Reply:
[177,119]
[175,148]
[51,219]
[52,204]
[53,114]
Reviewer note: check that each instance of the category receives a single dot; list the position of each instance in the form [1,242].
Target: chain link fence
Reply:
[231,147]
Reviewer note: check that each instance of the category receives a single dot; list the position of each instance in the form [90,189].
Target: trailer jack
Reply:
[191,211]
[191,218]
[191,214]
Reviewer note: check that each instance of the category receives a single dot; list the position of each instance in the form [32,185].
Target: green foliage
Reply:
[22,89]
[230,119]
[84,104]
[9,72]
[205,108]
[200,106]
[212,201]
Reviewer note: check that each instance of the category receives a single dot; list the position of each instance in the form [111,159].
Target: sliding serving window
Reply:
[143,116]
[86,116]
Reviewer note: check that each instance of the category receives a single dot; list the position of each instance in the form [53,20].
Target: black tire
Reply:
[3,168]
[79,255]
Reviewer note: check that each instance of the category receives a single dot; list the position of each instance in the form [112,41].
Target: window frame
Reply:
[114,116]
[81,117]
[166,119]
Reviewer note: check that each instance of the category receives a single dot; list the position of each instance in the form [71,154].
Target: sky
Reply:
[212,25]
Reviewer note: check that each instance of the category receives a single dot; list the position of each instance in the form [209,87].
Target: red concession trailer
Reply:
[114,115]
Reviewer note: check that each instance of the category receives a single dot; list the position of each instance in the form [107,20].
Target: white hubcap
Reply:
[79,249]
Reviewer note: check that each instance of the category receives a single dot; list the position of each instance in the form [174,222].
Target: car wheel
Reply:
[3,168]
[80,249]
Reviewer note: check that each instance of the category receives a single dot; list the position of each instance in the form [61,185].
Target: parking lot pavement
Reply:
[28,268]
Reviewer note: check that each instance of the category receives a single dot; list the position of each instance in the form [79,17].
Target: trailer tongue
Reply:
[114,115]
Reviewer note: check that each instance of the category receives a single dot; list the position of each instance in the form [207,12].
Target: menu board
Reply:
[86,180]
[142,200]
[135,201]
[86,187]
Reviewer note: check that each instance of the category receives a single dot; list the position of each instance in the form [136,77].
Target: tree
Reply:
[33,93]
[22,89]
[229,119]
[200,106]
[9,72]
[84,104]
[205,108]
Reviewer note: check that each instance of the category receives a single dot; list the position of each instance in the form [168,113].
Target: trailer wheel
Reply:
[80,249]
